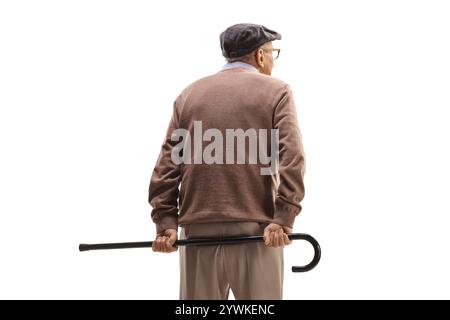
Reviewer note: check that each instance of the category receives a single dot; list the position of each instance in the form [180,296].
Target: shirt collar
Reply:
[239,64]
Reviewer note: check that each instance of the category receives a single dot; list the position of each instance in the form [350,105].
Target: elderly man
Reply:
[220,194]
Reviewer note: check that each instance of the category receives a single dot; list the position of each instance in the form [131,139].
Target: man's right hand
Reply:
[275,235]
[164,241]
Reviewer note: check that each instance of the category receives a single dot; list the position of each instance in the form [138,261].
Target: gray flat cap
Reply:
[243,38]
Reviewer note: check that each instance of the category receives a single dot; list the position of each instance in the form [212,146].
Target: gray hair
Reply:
[244,58]
[247,57]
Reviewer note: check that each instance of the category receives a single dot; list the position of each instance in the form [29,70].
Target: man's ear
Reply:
[259,60]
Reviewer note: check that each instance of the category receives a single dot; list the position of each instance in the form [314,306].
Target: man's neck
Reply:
[239,64]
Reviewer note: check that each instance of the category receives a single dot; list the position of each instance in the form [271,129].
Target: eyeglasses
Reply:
[274,55]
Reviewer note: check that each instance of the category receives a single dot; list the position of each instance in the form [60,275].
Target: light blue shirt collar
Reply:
[239,64]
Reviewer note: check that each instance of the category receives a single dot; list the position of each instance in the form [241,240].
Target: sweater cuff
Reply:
[285,213]
[166,221]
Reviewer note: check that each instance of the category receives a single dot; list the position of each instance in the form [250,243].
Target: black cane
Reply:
[214,241]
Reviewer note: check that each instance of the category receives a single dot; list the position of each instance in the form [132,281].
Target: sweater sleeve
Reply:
[164,182]
[291,168]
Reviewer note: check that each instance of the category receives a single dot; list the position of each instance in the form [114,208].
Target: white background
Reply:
[86,91]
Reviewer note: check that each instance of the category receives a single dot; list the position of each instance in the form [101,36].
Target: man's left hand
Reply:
[164,241]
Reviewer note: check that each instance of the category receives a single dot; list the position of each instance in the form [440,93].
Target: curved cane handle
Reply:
[317,251]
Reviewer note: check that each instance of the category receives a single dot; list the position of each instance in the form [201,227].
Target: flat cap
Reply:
[243,38]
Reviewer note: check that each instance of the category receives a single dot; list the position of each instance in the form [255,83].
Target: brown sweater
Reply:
[230,99]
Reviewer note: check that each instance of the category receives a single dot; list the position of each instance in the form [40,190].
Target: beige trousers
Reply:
[251,270]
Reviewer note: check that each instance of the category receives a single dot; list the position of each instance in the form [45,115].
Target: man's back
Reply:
[221,178]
